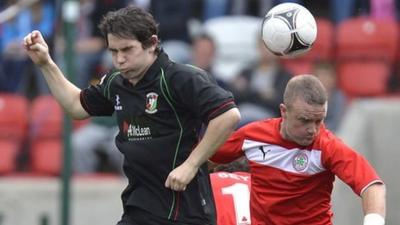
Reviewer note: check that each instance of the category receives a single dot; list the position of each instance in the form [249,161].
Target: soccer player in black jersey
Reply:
[160,107]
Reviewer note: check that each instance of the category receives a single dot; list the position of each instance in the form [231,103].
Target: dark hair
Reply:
[307,87]
[239,165]
[130,22]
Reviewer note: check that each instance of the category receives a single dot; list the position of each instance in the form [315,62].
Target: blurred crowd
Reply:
[186,32]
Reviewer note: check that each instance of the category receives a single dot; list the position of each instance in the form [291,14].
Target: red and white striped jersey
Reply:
[232,197]
[292,184]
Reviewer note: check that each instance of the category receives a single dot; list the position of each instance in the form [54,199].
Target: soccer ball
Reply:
[289,30]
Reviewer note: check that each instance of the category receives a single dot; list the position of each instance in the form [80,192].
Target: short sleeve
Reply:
[199,92]
[95,98]
[350,166]
[231,150]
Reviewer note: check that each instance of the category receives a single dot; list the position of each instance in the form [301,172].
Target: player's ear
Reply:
[153,42]
[283,109]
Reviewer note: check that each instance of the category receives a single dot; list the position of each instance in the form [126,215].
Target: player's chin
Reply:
[305,141]
[126,74]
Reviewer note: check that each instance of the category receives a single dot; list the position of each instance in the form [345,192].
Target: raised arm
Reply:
[373,203]
[66,93]
[218,130]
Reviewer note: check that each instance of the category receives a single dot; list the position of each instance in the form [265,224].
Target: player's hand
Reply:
[37,48]
[180,177]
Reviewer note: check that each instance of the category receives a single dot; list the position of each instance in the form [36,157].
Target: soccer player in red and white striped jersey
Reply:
[294,160]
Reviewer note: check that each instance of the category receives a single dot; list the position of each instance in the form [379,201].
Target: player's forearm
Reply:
[218,130]
[373,200]
[66,93]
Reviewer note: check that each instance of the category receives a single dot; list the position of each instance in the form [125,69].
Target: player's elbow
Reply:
[377,188]
[238,117]
[77,112]
[234,117]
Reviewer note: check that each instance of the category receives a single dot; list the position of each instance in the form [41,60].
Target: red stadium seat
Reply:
[46,136]
[8,153]
[46,156]
[46,118]
[364,37]
[363,78]
[13,116]
[13,129]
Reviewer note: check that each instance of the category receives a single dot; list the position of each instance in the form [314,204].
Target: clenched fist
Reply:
[37,48]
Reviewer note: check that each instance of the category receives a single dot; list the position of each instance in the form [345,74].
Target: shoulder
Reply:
[109,77]
[260,129]
[186,72]
[188,78]
[107,81]
[327,141]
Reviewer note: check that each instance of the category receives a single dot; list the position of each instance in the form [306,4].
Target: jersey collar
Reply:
[162,61]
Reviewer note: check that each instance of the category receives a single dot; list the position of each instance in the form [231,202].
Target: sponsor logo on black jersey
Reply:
[136,132]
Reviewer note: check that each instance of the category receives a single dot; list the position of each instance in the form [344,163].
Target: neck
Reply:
[136,79]
[282,131]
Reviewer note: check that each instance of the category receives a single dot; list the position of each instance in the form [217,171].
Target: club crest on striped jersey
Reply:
[300,161]
[151,102]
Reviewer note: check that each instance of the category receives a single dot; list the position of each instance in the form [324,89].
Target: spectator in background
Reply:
[178,51]
[173,16]
[43,18]
[256,8]
[335,10]
[383,9]
[16,65]
[98,136]
[393,82]
[342,10]
[2,7]
[93,143]
[90,45]
[326,73]
[217,8]
[258,90]
[214,8]
[203,53]
[14,59]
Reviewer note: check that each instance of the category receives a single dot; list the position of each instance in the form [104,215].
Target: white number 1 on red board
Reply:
[241,197]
